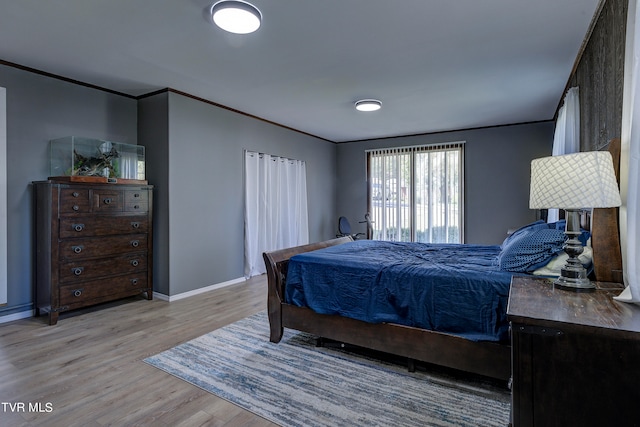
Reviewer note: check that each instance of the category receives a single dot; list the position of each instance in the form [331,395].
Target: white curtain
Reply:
[275,207]
[630,160]
[566,139]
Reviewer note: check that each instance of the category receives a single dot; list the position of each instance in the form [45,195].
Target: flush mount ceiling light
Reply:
[236,16]
[368,105]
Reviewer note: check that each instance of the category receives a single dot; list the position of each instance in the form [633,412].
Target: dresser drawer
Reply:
[74,200]
[75,249]
[85,226]
[107,201]
[136,206]
[80,293]
[79,270]
[135,196]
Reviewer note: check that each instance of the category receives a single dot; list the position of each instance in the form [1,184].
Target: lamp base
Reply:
[573,276]
[574,280]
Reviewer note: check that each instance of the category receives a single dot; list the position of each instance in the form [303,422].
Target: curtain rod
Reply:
[246,151]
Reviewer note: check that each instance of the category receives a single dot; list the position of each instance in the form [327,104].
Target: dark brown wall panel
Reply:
[599,75]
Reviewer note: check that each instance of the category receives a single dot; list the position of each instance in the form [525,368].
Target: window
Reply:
[415,194]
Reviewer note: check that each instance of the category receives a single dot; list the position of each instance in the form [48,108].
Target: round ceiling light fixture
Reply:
[368,105]
[235,16]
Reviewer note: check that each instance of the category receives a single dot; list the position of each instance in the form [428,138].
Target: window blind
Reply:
[416,193]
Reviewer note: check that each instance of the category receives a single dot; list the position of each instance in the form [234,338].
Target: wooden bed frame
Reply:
[483,358]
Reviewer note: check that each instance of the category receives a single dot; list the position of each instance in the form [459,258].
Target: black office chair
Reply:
[344,229]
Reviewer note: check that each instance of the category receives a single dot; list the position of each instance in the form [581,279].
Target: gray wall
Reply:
[194,159]
[199,237]
[39,109]
[497,167]
[153,133]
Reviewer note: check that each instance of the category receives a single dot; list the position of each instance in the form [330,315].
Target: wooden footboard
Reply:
[484,358]
[277,263]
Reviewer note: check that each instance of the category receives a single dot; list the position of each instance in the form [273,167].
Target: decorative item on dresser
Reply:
[93,244]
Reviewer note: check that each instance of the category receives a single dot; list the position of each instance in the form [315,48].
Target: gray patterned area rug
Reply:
[295,383]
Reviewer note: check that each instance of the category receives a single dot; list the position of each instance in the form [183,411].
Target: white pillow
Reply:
[557,262]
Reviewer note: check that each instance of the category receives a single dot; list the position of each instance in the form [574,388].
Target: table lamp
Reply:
[574,182]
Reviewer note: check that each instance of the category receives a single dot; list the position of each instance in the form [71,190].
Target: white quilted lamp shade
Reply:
[574,181]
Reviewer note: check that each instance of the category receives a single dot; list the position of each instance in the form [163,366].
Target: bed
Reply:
[467,334]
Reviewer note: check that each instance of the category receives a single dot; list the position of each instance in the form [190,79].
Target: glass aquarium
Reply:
[74,156]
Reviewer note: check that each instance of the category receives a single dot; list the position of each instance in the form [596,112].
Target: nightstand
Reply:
[575,356]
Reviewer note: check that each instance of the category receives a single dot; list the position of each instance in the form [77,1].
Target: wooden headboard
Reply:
[605,233]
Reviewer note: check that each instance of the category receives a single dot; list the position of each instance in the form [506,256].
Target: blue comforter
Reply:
[456,289]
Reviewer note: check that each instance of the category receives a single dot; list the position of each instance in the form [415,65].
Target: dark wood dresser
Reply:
[93,244]
[575,355]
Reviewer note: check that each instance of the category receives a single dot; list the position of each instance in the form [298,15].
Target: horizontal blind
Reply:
[414,148]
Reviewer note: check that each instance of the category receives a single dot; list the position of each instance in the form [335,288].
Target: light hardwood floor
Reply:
[88,371]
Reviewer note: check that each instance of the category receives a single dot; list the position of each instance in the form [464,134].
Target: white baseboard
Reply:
[171,298]
[161,297]
[30,313]
[17,316]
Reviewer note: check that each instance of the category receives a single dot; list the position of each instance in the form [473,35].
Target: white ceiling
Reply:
[436,65]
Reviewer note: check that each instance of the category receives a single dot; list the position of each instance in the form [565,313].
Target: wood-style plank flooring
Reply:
[88,371]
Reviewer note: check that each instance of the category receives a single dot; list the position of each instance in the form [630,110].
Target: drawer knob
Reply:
[107,200]
[136,195]
[77,292]
[135,243]
[135,262]
[76,208]
[78,227]
[75,194]
[77,270]
[76,249]
[136,206]
[134,282]
[135,224]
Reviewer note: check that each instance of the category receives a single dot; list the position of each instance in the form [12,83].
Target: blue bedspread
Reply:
[456,289]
